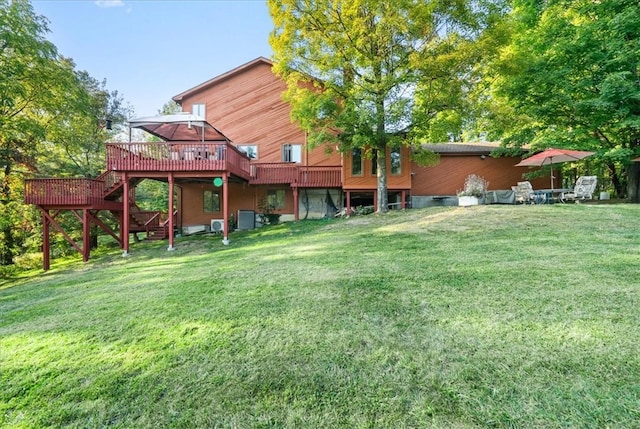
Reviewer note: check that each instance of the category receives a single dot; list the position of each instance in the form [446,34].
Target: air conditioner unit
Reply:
[217,225]
[246,219]
[194,229]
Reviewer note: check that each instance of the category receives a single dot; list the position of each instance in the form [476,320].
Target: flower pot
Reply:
[467,200]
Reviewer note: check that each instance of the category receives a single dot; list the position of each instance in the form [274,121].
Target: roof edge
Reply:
[260,60]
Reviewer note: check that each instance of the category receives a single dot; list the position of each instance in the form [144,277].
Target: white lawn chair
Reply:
[526,195]
[583,190]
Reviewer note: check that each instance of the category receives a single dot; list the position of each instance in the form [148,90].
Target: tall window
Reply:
[396,161]
[374,164]
[250,149]
[199,109]
[356,162]
[291,153]
[275,198]
[211,201]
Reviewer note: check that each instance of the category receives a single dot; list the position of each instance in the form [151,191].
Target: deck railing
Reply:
[64,192]
[301,176]
[177,156]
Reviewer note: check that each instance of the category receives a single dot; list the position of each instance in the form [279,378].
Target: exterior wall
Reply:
[241,197]
[247,107]
[447,178]
[191,204]
[368,180]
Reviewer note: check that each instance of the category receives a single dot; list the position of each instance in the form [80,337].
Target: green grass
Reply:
[493,316]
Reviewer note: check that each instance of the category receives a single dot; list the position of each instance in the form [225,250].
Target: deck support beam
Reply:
[171,226]
[296,208]
[124,228]
[225,211]
[46,246]
[86,235]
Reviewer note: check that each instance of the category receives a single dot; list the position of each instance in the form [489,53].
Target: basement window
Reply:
[275,198]
[211,202]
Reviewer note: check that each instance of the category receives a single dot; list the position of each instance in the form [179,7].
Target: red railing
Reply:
[110,179]
[309,177]
[177,156]
[301,176]
[66,191]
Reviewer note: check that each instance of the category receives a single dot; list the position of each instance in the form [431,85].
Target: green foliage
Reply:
[365,73]
[153,195]
[169,108]
[426,318]
[52,120]
[569,78]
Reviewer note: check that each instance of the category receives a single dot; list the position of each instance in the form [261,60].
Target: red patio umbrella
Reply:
[182,126]
[553,156]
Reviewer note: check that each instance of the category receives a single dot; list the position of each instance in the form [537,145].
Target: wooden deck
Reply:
[171,157]
[66,192]
[296,175]
[177,157]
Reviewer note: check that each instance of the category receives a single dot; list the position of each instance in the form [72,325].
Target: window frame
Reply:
[276,199]
[358,151]
[215,202]
[254,146]
[200,105]
[288,152]
[395,162]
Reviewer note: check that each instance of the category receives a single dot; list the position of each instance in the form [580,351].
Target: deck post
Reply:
[86,235]
[296,209]
[171,185]
[125,216]
[348,203]
[46,248]
[225,211]
[404,199]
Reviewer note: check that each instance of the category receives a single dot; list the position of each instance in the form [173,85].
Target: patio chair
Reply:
[526,195]
[583,190]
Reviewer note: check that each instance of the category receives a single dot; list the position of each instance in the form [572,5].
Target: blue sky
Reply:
[151,50]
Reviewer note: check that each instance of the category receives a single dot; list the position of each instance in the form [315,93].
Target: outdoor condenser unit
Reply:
[217,225]
[246,219]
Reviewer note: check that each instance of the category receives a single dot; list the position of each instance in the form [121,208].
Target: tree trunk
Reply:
[633,182]
[382,205]
[615,180]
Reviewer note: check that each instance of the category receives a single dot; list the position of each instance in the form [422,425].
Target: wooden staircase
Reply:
[158,233]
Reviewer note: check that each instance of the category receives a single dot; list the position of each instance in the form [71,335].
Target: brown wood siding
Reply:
[368,180]
[241,197]
[447,178]
[248,108]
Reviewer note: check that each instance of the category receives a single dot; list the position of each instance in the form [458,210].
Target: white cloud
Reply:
[109,3]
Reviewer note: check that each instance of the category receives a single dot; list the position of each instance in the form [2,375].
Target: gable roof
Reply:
[260,60]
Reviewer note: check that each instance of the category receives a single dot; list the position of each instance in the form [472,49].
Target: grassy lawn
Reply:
[491,316]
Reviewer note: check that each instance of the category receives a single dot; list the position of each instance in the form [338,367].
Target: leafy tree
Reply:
[570,77]
[32,88]
[50,118]
[374,74]
[77,143]
[169,108]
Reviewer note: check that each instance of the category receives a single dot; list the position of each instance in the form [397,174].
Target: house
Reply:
[249,157]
